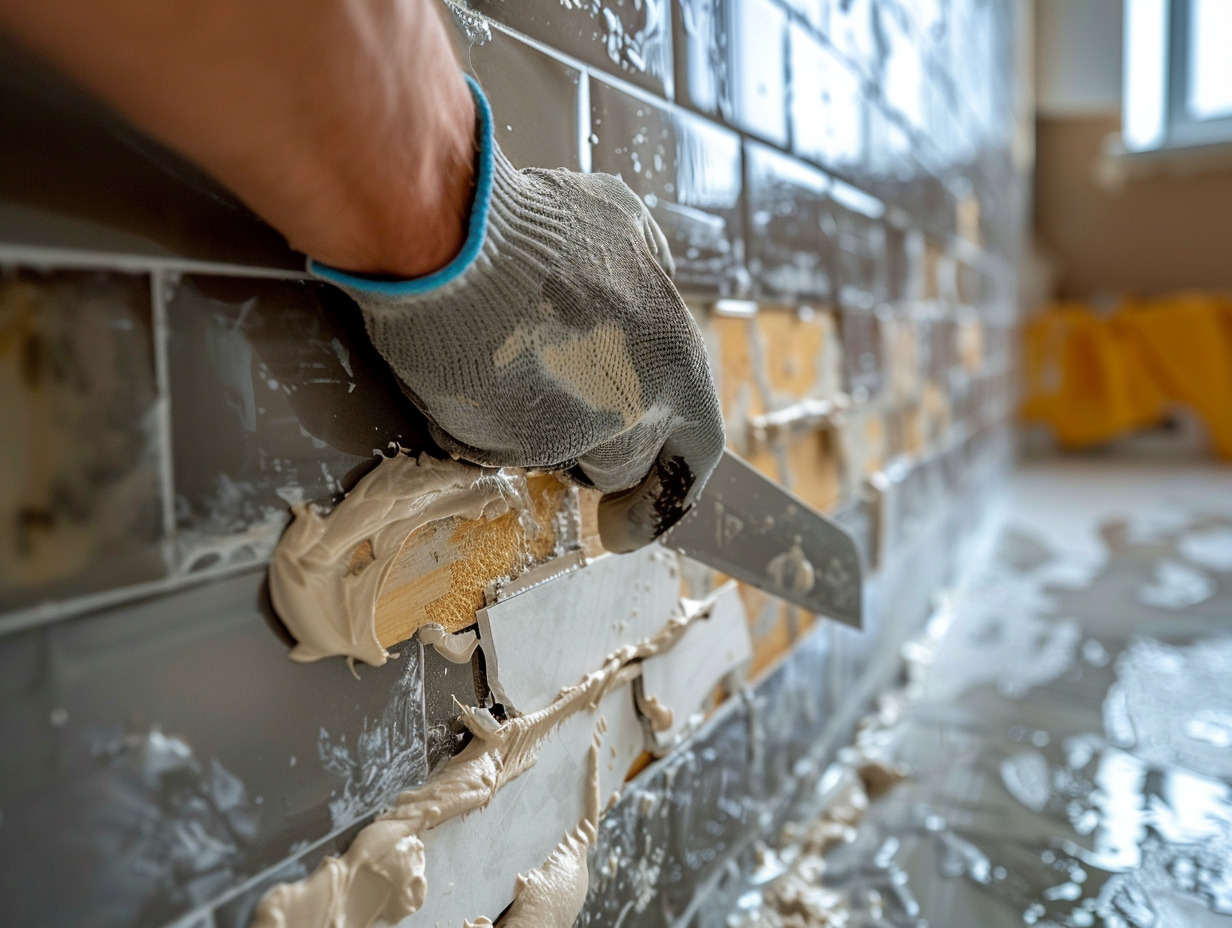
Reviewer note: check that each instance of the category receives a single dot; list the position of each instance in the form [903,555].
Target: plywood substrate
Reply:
[465,557]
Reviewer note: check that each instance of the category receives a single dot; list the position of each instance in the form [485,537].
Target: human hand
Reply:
[556,340]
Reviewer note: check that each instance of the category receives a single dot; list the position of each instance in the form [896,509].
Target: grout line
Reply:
[234,892]
[40,255]
[585,155]
[51,612]
[159,282]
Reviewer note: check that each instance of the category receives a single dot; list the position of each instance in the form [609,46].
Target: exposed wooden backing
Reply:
[800,353]
[778,357]
[444,569]
[814,466]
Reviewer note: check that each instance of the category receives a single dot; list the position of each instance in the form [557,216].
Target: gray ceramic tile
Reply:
[863,353]
[731,62]
[539,129]
[154,757]
[902,73]
[904,260]
[703,73]
[786,200]
[687,169]
[757,45]
[896,176]
[854,222]
[446,685]
[681,819]
[849,27]
[971,285]
[630,38]
[79,488]
[73,176]
[828,110]
[812,11]
[942,348]
[277,396]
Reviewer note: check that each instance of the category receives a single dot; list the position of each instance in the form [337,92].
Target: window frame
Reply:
[1181,129]
[1155,112]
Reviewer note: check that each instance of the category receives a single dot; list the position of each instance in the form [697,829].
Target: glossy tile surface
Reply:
[630,38]
[277,397]
[79,479]
[540,130]
[828,117]
[849,27]
[903,83]
[757,45]
[1078,690]
[864,352]
[786,202]
[700,34]
[687,170]
[853,221]
[159,755]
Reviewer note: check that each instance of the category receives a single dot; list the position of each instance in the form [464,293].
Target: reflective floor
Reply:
[1070,742]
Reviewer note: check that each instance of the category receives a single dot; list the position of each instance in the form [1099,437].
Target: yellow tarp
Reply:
[1096,377]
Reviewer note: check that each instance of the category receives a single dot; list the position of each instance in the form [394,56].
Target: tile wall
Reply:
[838,182]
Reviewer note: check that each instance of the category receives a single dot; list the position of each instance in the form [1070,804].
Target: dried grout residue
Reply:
[1096,790]
[552,895]
[793,890]
[172,417]
[381,877]
[417,542]
[386,755]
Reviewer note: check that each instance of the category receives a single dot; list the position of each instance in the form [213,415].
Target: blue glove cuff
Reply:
[476,230]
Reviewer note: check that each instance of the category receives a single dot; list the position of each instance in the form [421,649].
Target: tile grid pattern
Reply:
[719,270]
[877,225]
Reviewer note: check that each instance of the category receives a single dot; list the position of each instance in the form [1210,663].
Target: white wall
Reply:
[1078,57]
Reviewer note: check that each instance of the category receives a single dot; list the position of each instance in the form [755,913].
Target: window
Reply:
[1178,74]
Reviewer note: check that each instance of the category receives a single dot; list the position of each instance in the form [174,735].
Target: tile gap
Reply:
[159,282]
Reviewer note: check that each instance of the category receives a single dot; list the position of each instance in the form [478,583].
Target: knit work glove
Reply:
[556,340]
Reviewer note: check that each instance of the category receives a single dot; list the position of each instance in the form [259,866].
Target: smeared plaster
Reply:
[328,571]
[797,896]
[675,690]
[659,715]
[381,876]
[456,648]
[552,895]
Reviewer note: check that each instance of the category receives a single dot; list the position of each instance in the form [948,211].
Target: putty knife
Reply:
[750,528]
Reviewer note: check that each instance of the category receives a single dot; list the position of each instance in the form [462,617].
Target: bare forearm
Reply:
[346,124]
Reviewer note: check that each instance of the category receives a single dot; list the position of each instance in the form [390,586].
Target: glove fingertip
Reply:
[633,518]
[657,242]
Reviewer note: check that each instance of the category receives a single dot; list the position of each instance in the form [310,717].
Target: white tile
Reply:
[552,635]
[683,678]
[472,862]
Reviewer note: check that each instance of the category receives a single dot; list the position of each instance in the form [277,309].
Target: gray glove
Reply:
[556,340]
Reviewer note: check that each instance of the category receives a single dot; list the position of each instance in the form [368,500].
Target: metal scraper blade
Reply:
[750,528]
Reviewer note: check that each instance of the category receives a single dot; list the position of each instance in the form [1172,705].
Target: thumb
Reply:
[656,241]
